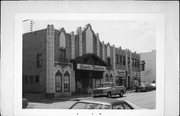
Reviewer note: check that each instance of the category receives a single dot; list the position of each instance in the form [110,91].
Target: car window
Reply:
[105,107]
[105,85]
[119,106]
[79,106]
[92,106]
[122,106]
[126,106]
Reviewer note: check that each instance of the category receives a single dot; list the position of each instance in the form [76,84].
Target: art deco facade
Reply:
[55,62]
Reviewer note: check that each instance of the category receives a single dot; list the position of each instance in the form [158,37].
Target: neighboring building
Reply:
[56,63]
[149,74]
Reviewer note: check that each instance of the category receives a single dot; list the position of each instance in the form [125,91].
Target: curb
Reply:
[132,91]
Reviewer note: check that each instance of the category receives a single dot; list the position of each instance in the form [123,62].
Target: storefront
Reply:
[120,77]
[135,79]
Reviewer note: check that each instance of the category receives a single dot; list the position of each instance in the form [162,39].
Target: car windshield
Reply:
[105,85]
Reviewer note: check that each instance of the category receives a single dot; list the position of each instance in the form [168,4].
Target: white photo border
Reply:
[160,43]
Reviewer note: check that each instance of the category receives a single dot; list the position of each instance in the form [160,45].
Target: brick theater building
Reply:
[57,63]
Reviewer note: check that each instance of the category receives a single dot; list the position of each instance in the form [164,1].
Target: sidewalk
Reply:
[62,98]
[75,97]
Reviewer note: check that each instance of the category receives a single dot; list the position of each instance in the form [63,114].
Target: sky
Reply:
[139,36]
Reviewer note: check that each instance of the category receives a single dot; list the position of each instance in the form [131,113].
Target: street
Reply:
[145,100]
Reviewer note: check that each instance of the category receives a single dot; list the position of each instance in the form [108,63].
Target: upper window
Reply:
[116,58]
[39,60]
[62,39]
[121,62]
[124,60]
[132,61]
[62,54]
[108,61]
[135,62]
[31,79]
[37,79]
[138,63]
[128,60]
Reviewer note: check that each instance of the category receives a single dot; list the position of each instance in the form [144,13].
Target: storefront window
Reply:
[58,80]
[66,81]
[98,81]
[111,78]
[106,78]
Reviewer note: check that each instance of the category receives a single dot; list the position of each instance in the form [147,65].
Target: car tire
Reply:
[121,94]
[109,95]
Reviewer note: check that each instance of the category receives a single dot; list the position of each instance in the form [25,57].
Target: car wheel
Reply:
[121,94]
[109,95]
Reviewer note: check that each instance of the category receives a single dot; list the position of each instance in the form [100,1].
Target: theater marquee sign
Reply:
[90,67]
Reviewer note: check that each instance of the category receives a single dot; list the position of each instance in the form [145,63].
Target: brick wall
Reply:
[34,43]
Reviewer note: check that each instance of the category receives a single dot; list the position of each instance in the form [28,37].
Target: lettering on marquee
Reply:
[90,67]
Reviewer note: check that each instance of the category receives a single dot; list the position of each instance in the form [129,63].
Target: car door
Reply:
[114,91]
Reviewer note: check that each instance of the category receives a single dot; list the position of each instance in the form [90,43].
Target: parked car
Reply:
[108,89]
[103,103]
[153,86]
[140,88]
[24,102]
[145,87]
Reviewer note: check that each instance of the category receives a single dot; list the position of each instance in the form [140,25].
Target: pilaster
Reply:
[103,51]
[72,45]
[97,36]
[114,65]
[79,30]
[50,77]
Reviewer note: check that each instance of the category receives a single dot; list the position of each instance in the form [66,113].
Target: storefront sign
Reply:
[136,74]
[90,67]
[120,73]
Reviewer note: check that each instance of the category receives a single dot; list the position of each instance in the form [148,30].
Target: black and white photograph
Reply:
[87,68]
[69,61]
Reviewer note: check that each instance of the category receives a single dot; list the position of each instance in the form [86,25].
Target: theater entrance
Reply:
[89,70]
[87,80]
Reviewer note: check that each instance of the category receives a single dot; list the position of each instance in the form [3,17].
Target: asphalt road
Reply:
[142,99]
[145,100]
